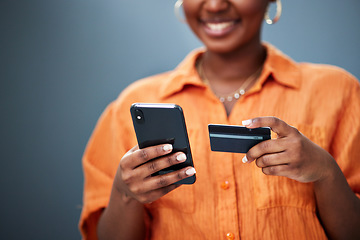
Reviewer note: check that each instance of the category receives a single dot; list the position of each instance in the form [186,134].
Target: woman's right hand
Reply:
[134,178]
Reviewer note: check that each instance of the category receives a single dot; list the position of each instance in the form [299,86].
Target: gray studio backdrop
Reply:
[63,61]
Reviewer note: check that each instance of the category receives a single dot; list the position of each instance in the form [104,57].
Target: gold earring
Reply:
[177,8]
[277,16]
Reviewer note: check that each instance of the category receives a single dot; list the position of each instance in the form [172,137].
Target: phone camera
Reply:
[139,116]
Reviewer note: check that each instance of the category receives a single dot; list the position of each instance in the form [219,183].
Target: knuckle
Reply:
[275,121]
[159,150]
[272,170]
[265,145]
[295,130]
[143,199]
[162,182]
[250,154]
[269,170]
[144,154]
[153,166]
[134,189]
[126,178]
[265,160]
[170,160]
[122,164]
[259,163]
[137,190]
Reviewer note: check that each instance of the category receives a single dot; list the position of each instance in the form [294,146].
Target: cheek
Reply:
[190,8]
[252,8]
[253,15]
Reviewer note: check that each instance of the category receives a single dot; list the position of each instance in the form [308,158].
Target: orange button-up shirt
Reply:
[232,200]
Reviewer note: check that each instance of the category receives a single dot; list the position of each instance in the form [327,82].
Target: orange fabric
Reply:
[323,102]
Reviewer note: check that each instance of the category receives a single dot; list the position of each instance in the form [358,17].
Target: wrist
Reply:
[119,192]
[330,172]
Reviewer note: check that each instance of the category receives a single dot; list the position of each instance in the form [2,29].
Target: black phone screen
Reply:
[162,123]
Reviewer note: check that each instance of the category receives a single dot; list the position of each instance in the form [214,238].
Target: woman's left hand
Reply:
[290,155]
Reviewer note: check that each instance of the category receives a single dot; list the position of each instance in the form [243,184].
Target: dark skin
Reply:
[234,55]
[134,186]
[294,156]
[132,169]
[230,29]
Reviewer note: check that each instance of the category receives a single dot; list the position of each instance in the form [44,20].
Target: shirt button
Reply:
[230,236]
[225,185]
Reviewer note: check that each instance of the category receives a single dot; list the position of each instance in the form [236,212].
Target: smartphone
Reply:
[160,123]
[236,139]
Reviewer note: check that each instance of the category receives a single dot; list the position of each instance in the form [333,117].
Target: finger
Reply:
[263,148]
[141,156]
[165,180]
[277,125]
[160,163]
[278,170]
[131,150]
[269,160]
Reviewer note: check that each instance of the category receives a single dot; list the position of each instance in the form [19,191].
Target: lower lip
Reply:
[220,32]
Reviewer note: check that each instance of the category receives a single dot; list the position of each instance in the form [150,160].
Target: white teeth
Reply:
[219,26]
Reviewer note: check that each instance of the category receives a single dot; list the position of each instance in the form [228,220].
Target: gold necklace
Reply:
[234,95]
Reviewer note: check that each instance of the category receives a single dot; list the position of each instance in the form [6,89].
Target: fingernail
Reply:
[181,157]
[190,171]
[245,160]
[246,122]
[167,147]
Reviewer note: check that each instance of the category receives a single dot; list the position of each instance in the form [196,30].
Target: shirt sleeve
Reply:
[100,162]
[346,141]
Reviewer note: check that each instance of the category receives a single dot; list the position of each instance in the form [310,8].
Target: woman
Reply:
[304,183]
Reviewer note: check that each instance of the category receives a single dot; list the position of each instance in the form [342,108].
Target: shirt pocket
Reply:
[182,198]
[275,191]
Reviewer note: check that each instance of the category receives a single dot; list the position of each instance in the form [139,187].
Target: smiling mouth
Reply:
[219,26]
[218,29]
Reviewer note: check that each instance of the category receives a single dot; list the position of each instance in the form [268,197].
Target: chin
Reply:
[222,47]
[225,46]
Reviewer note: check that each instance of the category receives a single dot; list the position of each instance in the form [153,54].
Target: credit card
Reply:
[236,139]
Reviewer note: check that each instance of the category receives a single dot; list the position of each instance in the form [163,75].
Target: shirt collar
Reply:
[282,69]
[184,74]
